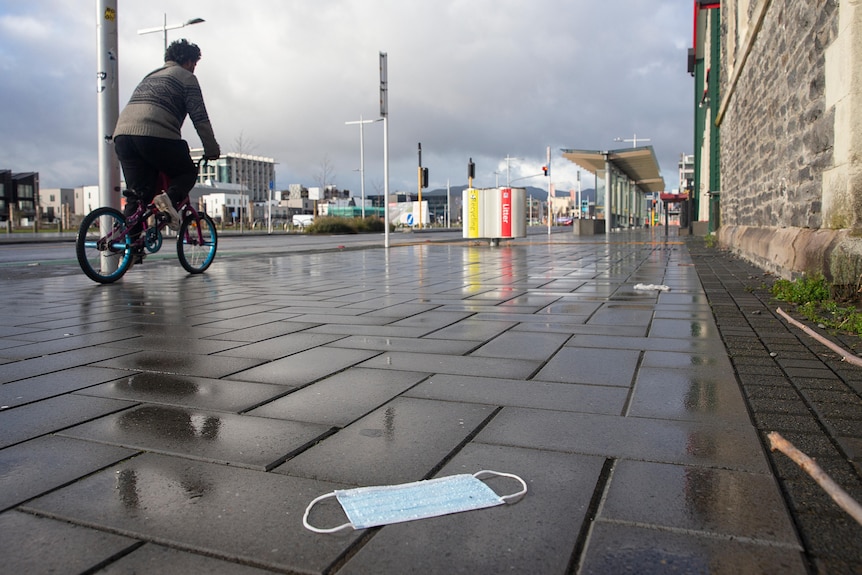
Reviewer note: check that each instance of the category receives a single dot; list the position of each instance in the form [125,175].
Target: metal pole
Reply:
[386,181]
[362,123]
[608,202]
[384,113]
[108,102]
[580,207]
[269,210]
[108,105]
[448,207]
[420,184]
[550,209]
[362,162]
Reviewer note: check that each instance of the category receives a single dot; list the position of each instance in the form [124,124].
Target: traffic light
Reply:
[424,177]
[545,170]
[471,169]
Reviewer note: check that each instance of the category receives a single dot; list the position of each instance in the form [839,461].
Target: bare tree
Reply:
[326,174]
[244,146]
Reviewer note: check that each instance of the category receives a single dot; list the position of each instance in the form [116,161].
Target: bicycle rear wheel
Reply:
[197,243]
[103,249]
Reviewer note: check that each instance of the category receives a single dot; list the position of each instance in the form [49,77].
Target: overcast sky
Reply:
[487,79]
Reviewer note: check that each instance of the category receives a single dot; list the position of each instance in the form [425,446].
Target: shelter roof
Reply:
[638,164]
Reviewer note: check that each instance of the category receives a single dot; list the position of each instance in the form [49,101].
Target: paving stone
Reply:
[34,367]
[51,415]
[414,344]
[618,314]
[591,366]
[581,328]
[399,442]
[303,367]
[565,307]
[518,393]
[787,422]
[695,329]
[261,332]
[520,345]
[431,320]
[236,514]
[40,545]
[152,558]
[728,446]
[278,347]
[523,537]
[471,329]
[832,537]
[187,391]
[721,502]
[400,310]
[453,364]
[53,384]
[34,467]
[639,343]
[342,398]
[180,363]
[239,440]
[370,330]
[784,406]
[693,395]
[703,361]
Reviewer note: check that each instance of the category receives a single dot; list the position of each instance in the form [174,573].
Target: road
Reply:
[30,255]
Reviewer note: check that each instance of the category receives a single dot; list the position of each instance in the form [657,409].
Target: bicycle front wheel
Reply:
[103,249]
[197,243]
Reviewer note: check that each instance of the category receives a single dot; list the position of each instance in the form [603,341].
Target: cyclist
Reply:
[148,138]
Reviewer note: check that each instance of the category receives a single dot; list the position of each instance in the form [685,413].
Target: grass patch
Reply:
[815,300]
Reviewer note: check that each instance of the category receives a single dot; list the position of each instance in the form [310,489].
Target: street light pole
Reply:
[165,27]
[362,123]
[634,140]
[508,159]
[384,114]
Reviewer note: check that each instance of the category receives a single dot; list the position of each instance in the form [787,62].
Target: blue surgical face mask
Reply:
[374,506]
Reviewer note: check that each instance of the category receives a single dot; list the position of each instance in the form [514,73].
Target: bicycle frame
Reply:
[106,248]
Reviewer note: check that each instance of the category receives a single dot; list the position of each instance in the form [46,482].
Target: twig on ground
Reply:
[845,355]
[841,497]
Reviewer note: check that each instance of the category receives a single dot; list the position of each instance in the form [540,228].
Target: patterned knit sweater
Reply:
[159,105]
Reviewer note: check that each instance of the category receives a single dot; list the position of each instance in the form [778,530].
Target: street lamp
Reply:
[509,159]
[633,140]
[165,27]
[362,123]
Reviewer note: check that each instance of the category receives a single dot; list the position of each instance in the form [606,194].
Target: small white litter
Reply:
[651,287]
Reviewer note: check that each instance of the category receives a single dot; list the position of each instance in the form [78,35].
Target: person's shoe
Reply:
[137,258]
[164,203]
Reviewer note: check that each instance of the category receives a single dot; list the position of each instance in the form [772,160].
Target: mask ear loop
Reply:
[514,497]
[310,527]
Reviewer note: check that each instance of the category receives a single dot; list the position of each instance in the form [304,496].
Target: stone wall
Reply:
[777,134]
[791,167]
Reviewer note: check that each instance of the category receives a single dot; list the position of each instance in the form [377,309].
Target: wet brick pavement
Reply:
[179,424]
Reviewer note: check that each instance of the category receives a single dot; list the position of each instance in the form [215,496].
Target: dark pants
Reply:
[143,158]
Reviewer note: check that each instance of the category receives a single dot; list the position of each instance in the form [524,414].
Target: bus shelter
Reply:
[625,179]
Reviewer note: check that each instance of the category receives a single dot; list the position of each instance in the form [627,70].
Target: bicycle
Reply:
[105,256]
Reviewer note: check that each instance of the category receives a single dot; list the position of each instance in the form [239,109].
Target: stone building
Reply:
[790,121]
